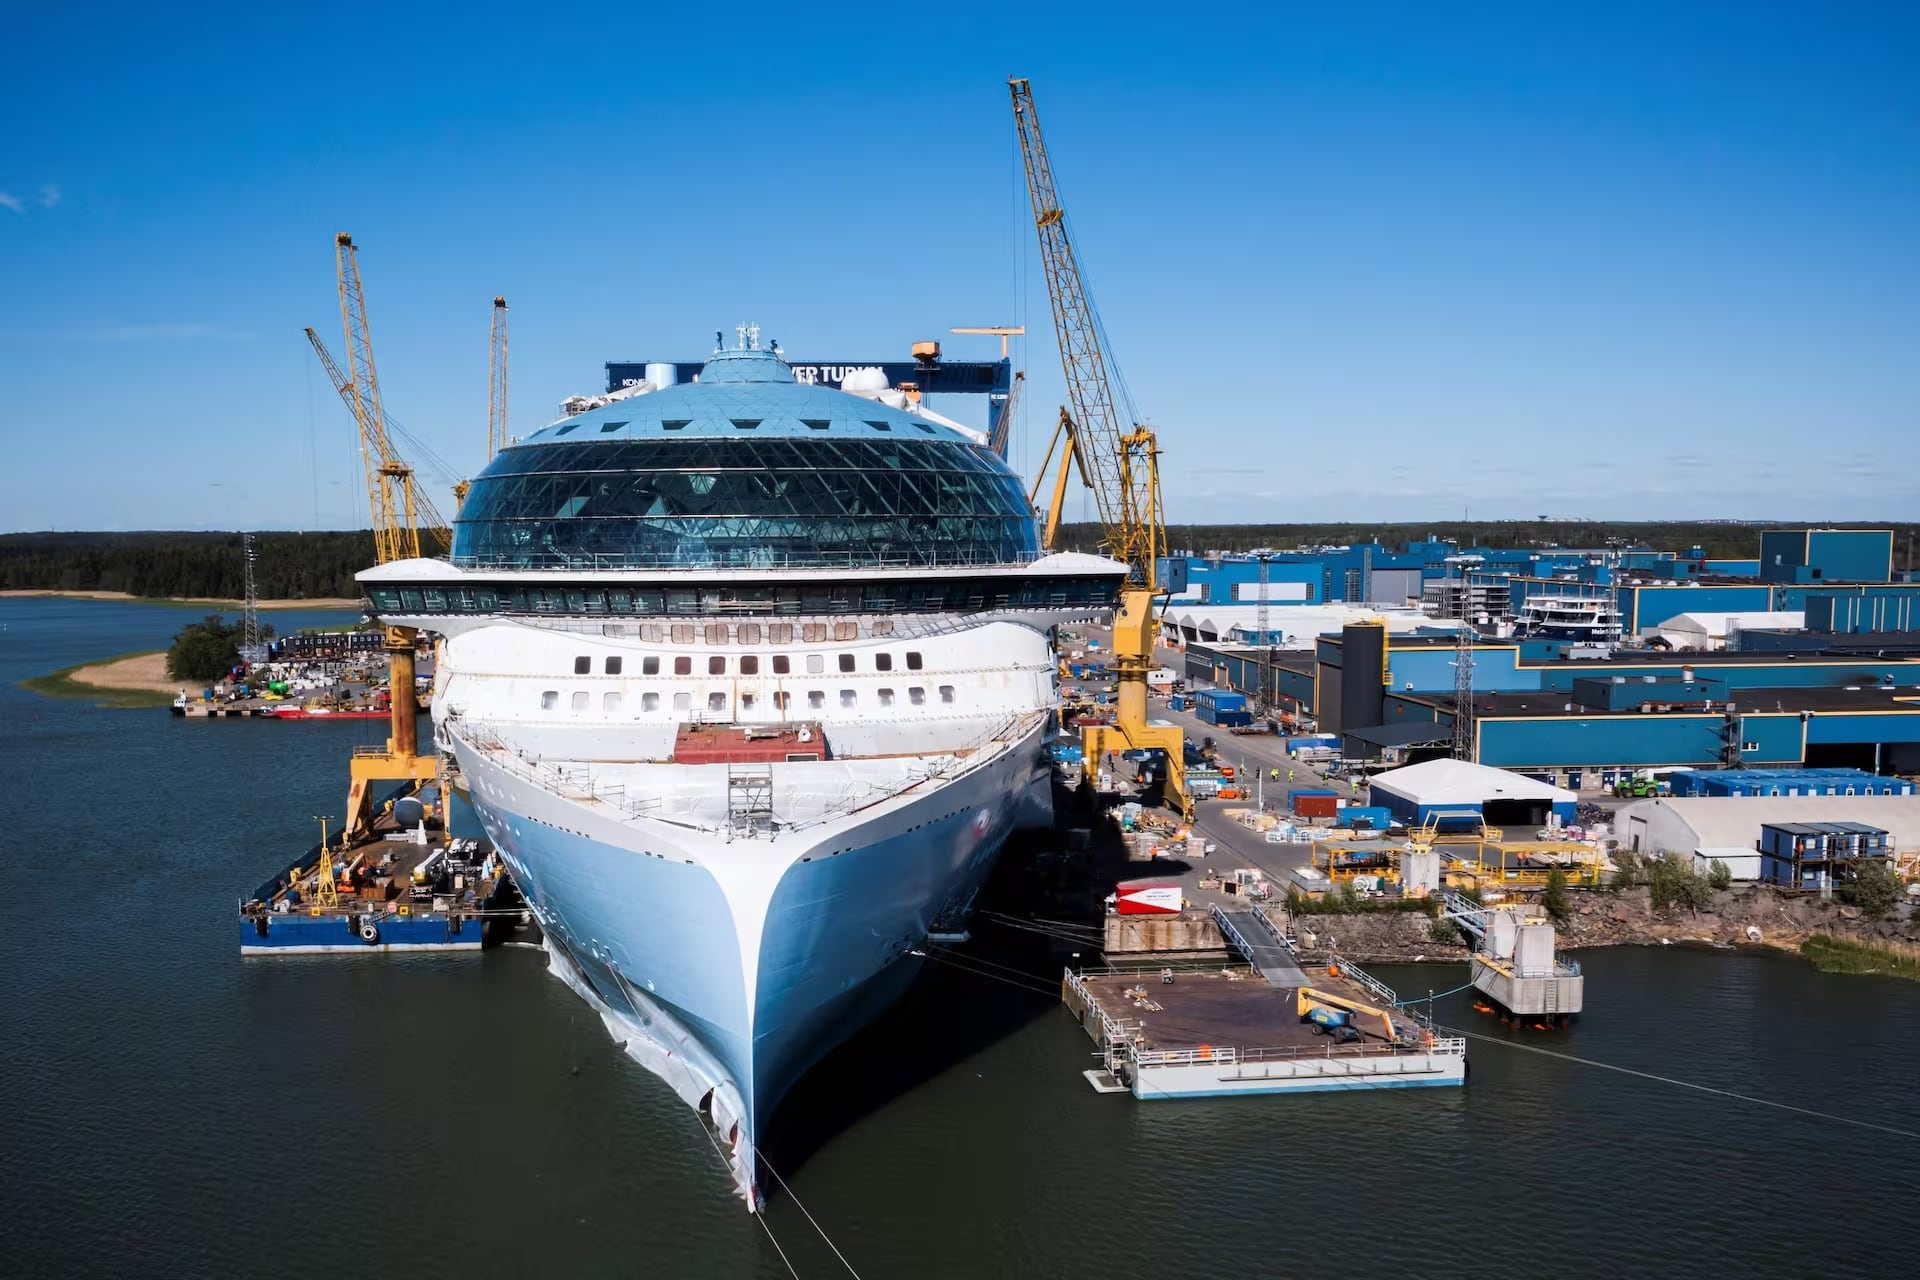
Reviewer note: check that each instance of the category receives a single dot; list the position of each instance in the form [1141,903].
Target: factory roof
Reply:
[1734,822]
[1415,733]
[1439,782]
[1759,701]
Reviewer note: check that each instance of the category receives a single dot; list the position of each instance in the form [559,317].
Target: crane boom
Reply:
[1003,429]
[1118,459]
[396,528]
[1122,486]
[497,381]
[429,514]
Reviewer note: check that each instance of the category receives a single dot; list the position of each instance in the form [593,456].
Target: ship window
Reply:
[683,633]
[883,662]
[846,631]
[550,700]
[716,633]
[716,666]
[649,666]
[614,665]
[886,697]
[816,424]
[846,662]
[848,697]
[611,426]
[716,702]
[816,699]
[749,666]
[609,702]
[781,699]
[748,633]
[882,627]
[745,424]
[782,664]
[913,661]
[917,696]
[580,700]
[582,665]
[925,426]
[746,702]
[649,702]
[879,426]
[674,424]
[682,701]
[816,663]
[683,666]
[946,693]
[571,426]
[813,632]
[780,633]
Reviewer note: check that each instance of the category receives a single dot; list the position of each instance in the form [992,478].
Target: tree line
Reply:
[1720,539]
[287,566]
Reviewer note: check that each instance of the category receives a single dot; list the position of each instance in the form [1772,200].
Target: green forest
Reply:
[207,566]
[308,566]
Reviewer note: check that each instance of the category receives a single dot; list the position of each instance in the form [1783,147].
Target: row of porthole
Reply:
[612,701]
[782,664]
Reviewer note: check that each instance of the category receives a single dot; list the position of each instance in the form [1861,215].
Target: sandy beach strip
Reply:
[324,602]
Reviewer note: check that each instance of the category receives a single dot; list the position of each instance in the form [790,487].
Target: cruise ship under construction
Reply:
[749,680]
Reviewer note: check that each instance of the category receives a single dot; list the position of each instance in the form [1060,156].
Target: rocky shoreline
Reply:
[1746,916]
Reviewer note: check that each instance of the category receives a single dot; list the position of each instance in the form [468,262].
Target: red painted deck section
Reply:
[748,744]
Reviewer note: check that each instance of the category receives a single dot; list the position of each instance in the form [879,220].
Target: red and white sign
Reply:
[1148,900]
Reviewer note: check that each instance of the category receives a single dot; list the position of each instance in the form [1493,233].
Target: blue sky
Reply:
[1636,261]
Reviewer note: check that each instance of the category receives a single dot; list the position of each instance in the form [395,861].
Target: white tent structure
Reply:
[1728,827]
[1713,630]
[1453,787]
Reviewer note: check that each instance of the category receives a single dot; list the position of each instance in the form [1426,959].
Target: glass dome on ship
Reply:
[746,468]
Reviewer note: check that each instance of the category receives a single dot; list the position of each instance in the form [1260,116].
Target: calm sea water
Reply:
[168,1110]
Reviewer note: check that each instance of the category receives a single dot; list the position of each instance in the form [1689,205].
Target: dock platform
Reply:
[399,889]
[1211,1032]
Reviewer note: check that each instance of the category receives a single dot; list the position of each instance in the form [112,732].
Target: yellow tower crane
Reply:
[1117,458]
[397,508]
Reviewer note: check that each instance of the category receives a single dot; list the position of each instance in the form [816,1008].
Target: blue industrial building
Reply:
[1798,556]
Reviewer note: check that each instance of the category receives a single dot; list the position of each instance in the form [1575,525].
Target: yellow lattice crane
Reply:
[397,508]
[1117,458]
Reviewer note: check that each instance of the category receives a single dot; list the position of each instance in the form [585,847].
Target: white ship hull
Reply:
[729,968]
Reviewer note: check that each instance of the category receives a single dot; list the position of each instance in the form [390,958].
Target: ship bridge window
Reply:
[649,702]
[782,664]
[582,665]
[816,699]
[580,700]
[674,424]
[716,666]
[848,698]
[550,700]
[846,662]
[745,424]
[913,661]
[917,696]
[649,666]
[614,665]
[682,701]
[883,662]
[749,666]
[611,426]
[683,666]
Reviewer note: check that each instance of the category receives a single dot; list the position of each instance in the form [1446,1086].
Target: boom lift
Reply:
[1118,459]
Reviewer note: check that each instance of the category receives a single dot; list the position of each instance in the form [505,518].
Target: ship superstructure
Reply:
[749,681]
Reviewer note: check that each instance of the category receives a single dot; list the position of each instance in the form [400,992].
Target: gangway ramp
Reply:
[1253,935]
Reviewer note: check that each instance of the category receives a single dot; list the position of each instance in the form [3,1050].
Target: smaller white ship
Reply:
[1594,619]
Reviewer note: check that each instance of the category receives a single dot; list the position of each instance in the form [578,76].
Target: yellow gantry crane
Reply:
[1117,458]
[397,507]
